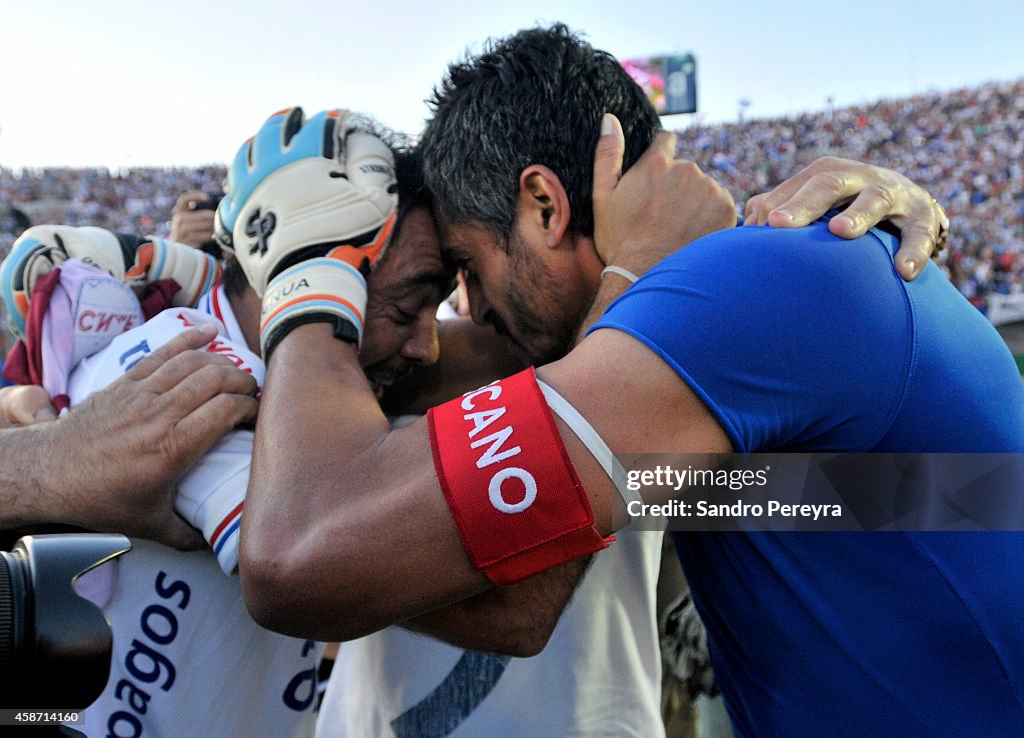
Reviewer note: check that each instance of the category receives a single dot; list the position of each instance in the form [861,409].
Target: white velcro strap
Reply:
[317,287]
[592,440]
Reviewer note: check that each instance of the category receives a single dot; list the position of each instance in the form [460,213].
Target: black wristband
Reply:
[341,329]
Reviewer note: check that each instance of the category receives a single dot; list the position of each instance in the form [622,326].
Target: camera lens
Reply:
[54,645]
[6,620]
[14,608]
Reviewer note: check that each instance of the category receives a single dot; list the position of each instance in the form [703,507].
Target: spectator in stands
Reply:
[966,146]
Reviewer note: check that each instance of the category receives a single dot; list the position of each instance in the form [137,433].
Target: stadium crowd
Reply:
[966,146]
[137,200]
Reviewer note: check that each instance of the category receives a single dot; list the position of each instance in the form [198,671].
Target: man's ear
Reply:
[543,204]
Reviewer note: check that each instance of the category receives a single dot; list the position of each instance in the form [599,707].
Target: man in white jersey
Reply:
[399,684]
[187,658]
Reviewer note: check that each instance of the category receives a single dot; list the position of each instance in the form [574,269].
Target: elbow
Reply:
[531,610]
[504,632]
[520,633]
[285,592]
[525,646]
[527,640]
[276,586]
[266,592]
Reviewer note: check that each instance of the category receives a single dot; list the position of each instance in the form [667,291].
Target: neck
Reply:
[590,264]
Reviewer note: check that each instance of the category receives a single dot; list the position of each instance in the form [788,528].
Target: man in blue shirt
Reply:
[748,339]
[802,349]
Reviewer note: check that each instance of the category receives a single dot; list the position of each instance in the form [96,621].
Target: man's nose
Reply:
[422,346]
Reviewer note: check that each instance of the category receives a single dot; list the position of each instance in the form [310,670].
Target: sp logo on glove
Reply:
[260,227]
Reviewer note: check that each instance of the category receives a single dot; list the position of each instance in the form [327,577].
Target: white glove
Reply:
[308,209]
[40,248]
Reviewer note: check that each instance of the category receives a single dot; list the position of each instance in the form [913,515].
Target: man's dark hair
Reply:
[235,281]
[412,190]
[533,98]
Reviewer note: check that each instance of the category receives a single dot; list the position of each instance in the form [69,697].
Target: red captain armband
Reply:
[509,482]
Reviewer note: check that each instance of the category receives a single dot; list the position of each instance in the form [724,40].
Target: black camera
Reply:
[211,202]
[54,645]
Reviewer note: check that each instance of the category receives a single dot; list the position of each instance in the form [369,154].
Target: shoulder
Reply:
[780,332]
[751,276]
[752,255]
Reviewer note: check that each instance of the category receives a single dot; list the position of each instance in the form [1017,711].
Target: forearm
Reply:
[516,620]
[332,489]
[24,499]
[47,477]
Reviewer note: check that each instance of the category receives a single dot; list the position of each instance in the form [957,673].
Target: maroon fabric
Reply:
[16,364]
[24,363]
[158,296]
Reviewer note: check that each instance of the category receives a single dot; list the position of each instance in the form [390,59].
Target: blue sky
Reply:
[116,83]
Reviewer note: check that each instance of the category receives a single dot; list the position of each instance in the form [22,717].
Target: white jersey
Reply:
[600,674]
[188,660]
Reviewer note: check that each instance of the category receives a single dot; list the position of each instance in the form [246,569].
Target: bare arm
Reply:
[346,530]
[516,620]
[111,464]
[316,398]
